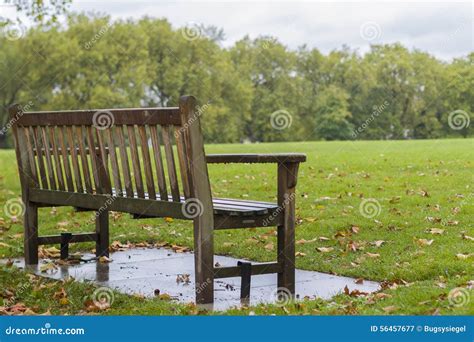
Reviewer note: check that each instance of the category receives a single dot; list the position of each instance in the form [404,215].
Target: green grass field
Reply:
[420,243]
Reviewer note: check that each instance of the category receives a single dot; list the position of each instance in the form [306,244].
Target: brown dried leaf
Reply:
[270,246]
[424,242]
[355,229]
[324,249]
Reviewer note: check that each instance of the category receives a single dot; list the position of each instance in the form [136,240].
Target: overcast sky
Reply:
[444,29]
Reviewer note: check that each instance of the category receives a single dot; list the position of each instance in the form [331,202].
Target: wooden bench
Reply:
[124,160]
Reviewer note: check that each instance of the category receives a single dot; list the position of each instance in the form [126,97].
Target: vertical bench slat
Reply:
[39,157]
[103,164]
[124,161]
[94,163]
[49,160]
[74,159]
[150,185]
[64,154]
[57,160]
[170,163]
[114,161]
[137,172]
[31,156]
[84,162]
[182,160]
[160,172]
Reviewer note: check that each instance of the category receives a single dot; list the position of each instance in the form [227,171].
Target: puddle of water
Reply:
[145,270]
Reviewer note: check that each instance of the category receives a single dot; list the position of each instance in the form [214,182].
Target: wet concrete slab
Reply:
[145,270]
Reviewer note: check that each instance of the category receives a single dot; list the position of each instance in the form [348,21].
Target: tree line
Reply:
[255,90]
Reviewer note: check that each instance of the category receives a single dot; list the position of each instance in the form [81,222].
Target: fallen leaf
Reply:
[433,219]
[389,309]
[168,219]
[48,267]
[381,295]
[372,255]
[467,237]
[435,231]
[355,229]
[103,259]
[300,254]
[325,249]
[269,246]
[424,242]
[463,256]
[395,199]
[303,241]
[377,243]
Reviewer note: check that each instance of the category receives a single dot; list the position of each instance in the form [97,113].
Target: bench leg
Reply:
[204,262]
[286,232]
[30,243]
[102,231]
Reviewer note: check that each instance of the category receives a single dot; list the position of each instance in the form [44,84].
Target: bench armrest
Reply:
[279,158]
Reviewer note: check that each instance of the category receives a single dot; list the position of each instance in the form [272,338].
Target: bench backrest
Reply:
[155,153]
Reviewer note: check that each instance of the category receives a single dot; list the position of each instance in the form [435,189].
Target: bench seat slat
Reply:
[74,160]
[57,160]
[146,162]
[63,150]
[124,161]
[39,158]
[137,172]
[170,163]
[49,161]
[114,160]
[84,162]
[160,172]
